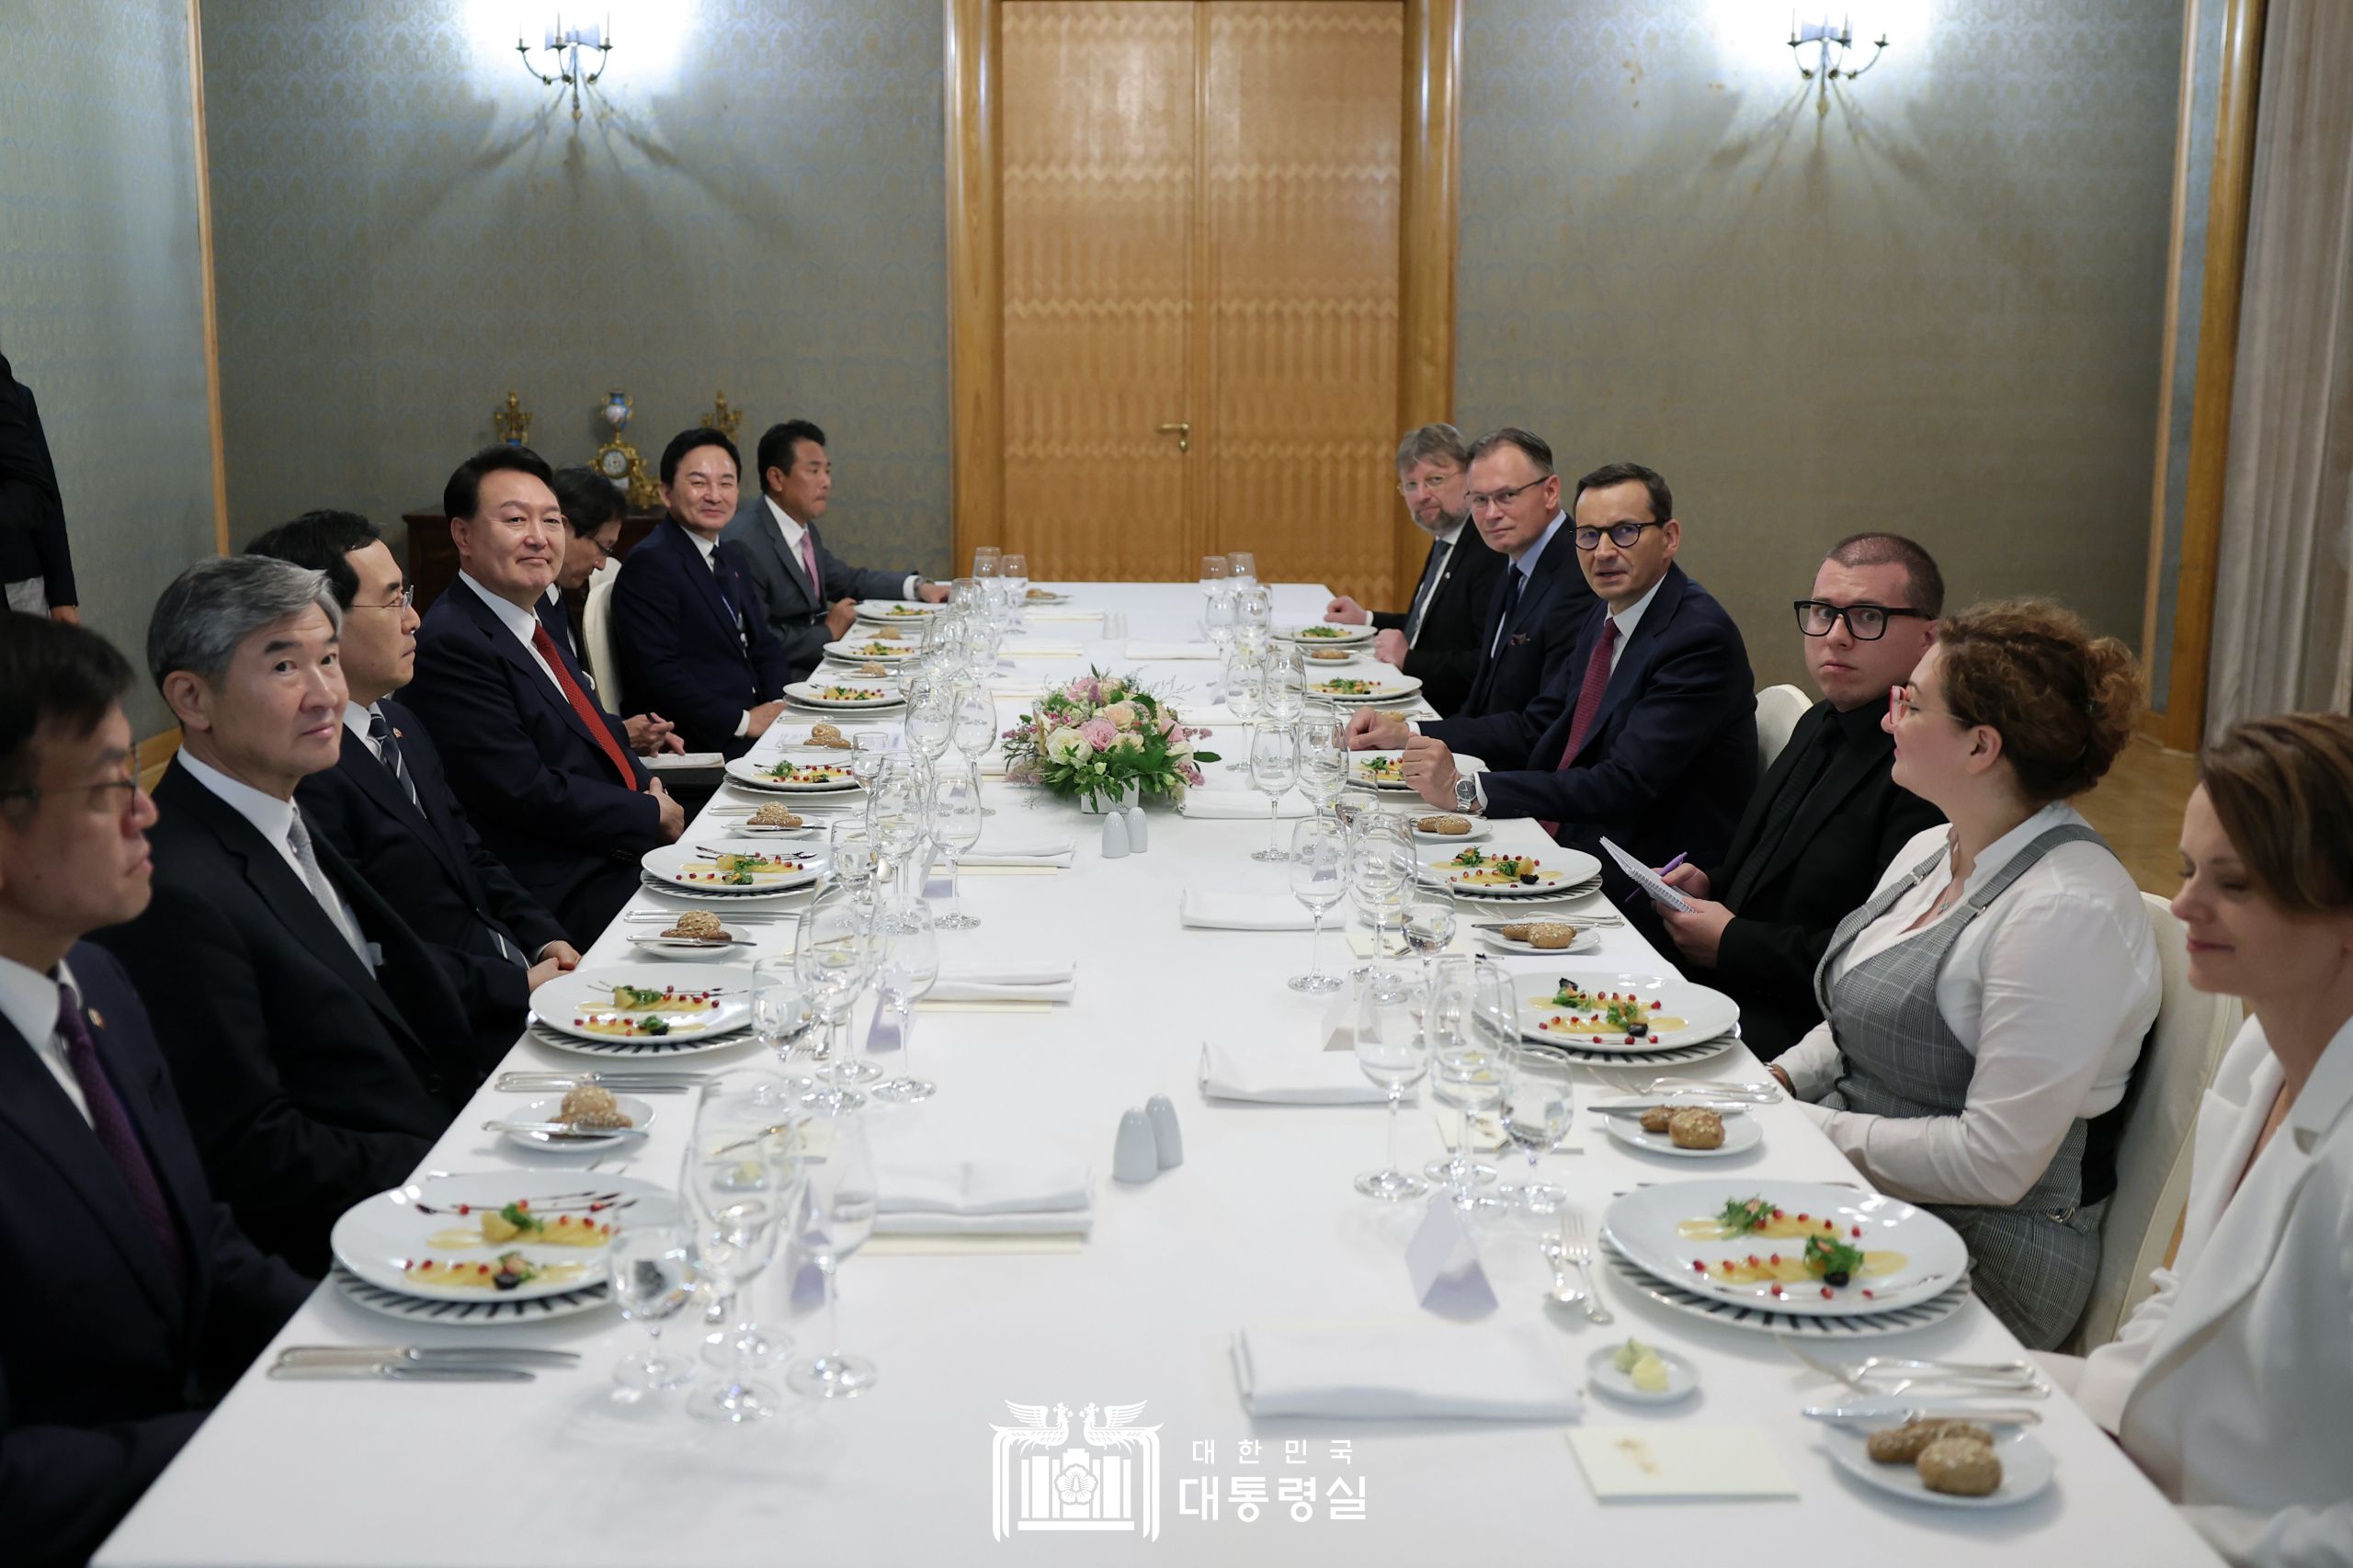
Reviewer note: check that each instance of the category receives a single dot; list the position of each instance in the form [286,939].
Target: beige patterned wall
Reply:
[1936,309]
[407,225]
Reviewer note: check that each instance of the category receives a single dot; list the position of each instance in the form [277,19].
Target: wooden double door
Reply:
[1202,251]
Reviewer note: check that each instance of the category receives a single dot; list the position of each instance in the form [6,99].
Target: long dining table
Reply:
[1260,1224]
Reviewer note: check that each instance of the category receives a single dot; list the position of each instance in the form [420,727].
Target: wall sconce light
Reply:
[1826,68]
[562,47]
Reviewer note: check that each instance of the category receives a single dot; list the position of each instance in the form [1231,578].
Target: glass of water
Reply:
[1535,1116]
[835,1222]
[1394,1053]
[1319,879]
[1274,767]
[652,1260]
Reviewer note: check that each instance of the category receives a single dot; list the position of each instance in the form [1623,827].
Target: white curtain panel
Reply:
[2283,611]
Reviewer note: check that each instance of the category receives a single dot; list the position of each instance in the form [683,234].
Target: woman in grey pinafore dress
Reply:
[1984,1010]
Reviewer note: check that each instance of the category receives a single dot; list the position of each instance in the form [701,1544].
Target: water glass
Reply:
[836,1220]
[985,560]
[898,819]
[1218,617]
[1015,572]
[1319,879]
[781,1015]
[1537,1105]
[955,828]
[1274,767]
[1239,682]
[742,1182]
[1283,692]
[652,1259]
[909,969]
[1322,761]
[1466,1072]
[1429,923]
[1394,1053]
[849,857]
[974,731]
[1241,566]
[869,750]
[930,722]
[835,955]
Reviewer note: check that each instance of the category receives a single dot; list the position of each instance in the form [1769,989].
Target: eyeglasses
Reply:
[406,599]
[1899,703]
[602,547]
[1622,535]
[1409,488]
[1500,497]
[108,797]
[1866,623]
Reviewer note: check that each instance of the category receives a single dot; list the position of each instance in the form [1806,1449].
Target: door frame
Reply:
[1429,226]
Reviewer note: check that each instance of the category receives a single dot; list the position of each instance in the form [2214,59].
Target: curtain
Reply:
[2283,609]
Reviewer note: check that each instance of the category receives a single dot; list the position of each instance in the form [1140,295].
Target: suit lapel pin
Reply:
[97,1019]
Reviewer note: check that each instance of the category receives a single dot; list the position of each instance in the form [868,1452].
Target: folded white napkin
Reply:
[1220,804]
[1405,1370]
[665,761]
[1041,651]
[1287,1077]
[1171,651]
[1016,848]
[1061,612]
[1241,912]
[1039,979]
[983,1198]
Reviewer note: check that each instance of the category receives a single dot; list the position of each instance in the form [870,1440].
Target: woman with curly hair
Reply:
[1983,1011]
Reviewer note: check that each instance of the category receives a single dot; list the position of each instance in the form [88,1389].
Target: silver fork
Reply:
[2006,1377]
[1576,1245]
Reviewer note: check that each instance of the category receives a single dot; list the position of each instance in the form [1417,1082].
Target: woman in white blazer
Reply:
[2233,1386]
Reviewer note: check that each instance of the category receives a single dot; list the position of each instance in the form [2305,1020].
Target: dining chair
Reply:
[596,631]
[1778,709]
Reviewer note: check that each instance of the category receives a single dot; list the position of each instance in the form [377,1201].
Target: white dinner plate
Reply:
[1327,634]
[1480,832]
[1586,940]
[858,650]
[1360,773]
[1557,871]
[1741,1134]
[1036,596]
[1380,688]
[1681,1011]
[1757,1320]
[1337,661]
[639,1114]
[896,612]
[1645,1225]
[378,1237]
[1682,1378]
[1666,1056]
[685,867]
[2027,1468]
[808,776]
[661,947]
[865,695]
[573,1004]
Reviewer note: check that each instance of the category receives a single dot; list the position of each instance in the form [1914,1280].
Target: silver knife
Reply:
[1721,1109]
[428,1355]
[400,1372]
[1896,1416]
[561,1131]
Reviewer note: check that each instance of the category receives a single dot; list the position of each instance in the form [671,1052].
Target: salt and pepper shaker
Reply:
[1167,1142]
[1133,1157]
[1139,838]
[1115,836]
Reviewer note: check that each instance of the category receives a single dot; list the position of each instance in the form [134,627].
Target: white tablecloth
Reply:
[1259,1224]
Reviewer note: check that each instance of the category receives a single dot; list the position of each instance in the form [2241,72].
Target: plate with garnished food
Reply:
[668,1001]
[1365,688]
[498,1235]
[1501,874]
[1327,634]
[1629,1014]
[724,867]
[847,696]
[583,1119]
[1449,827]
[791,775]
[896,612]
[872,650]
[1382,770]
[1953,1461]
[1803,1248]
[1539,938]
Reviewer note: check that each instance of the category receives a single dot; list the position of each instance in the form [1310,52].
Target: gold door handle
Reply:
[1184,430]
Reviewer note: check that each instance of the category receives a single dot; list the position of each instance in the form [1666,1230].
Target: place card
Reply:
[1443,1260]
[1690,1463]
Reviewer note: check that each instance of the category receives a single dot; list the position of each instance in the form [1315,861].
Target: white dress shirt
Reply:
[523,624]
[2052,989]
[28,1000]
[274,820]
[355,719]
[1446,543]
[791,527]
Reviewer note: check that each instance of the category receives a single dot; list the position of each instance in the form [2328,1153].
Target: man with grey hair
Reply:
[1436,637]
[316,1043]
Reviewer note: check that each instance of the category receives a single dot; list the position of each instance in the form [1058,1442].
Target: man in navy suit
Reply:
[131,1300]
[809,595]
[1648,735]
[317,1043]
[545,773]
[687,627]
[386,803]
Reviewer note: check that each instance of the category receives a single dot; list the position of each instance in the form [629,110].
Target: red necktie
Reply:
[589,713]
[1596,681]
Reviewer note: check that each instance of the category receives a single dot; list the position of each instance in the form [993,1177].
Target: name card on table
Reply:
[1443,1260]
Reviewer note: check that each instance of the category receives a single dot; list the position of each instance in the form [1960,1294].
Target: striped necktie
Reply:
[388,751]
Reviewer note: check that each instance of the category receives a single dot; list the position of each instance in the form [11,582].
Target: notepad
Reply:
[1647,879]
[1688,1463]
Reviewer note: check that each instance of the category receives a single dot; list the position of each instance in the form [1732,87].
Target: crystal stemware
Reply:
[741,1181]
[956,827]
[1319,879]
[1274,767]
[1465,1073]
[782,1015]
[1535,1116]
[835,953]
[652,1259]
[909,969]
[1394,1052]
[836,1220]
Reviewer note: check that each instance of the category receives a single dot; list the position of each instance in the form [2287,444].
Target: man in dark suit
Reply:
[592,537]
[545,774]
[1436,637]
[1648,735]
[809,596]
[687,622]
[35,562]
[1819,833]
[132,1298]
[386,805]
[316,1042]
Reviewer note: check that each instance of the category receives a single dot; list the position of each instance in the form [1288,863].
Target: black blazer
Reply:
[106,1368]
[1447,658]
[431,866]
[33,514]
[1516,670]
[1671,761]
[692,642]
[534,782]
[794,613]
[1787,903]
[310,1082]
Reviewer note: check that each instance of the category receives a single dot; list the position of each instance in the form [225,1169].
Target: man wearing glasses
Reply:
[592,538]
[1436,639]
[1819,833]
[1648,733]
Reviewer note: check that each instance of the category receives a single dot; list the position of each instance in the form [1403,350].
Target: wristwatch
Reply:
[1466,796]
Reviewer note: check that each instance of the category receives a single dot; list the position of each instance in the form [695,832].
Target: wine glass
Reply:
[1319,879]
[1014,569]
[835,1219]
[869,750]
[898,820]
[1274,767]
[1218,616]
[835,952]
[986,560]
[1394,1053]
[1283,692]
[974,726]
[1429,924]
[781,1015]
[1213,570]
[651,1257]
[931,720]
[1322,761]
[1254,618]
[741,1180]
[1239,682]
[1380,873]
[909,969]
[1466,1073]
[1241,566]
[850,856]
[1535,1116]
[956,827]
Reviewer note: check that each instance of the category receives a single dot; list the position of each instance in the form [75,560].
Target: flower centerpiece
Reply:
[1096,738]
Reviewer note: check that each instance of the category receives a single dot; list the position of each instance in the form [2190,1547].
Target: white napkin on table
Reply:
[1060,612]
[1392,1370]
[1287,1077]
[1241,912]
[983,1198]
[1041,651]
[1016,849]
[1037,980]
[1171,651]
[666,761]
[1211,804]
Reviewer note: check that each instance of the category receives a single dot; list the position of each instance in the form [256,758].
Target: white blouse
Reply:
[2052,989]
